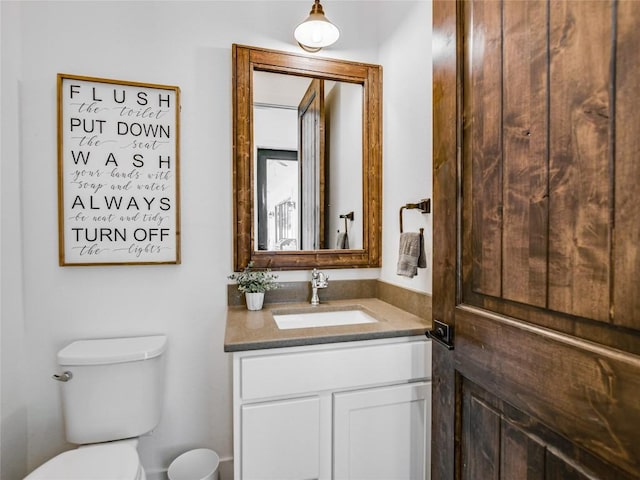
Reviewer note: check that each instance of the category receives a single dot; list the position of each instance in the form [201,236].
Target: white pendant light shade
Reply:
[316,31]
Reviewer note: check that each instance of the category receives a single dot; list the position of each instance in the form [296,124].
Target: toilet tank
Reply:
[116,390]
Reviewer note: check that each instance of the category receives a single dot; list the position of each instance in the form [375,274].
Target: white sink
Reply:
[321,317]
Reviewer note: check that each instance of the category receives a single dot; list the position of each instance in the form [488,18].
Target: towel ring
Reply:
[424,206]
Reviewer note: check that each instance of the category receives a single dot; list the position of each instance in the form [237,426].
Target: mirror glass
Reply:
[307,161]
[307,135]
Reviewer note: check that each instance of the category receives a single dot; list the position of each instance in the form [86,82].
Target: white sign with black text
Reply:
[118,172]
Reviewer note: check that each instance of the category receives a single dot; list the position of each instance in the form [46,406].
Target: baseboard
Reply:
[225,471]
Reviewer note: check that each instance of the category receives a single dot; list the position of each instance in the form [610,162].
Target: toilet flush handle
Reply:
[65,377]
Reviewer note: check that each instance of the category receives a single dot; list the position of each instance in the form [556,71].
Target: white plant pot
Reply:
[254,300]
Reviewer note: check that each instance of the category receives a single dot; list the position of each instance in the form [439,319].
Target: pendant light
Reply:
[316,31]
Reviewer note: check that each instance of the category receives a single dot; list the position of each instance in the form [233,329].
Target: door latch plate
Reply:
[441,333]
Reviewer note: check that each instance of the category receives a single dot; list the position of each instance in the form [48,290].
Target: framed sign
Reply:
[118,172]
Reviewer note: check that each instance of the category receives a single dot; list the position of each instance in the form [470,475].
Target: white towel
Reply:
[411,254]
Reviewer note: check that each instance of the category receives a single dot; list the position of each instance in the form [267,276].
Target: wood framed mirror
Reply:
[311,217]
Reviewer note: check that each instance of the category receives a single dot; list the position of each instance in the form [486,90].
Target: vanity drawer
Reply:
[299,370]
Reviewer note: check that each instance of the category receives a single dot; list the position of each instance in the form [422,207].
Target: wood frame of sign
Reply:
[118,172]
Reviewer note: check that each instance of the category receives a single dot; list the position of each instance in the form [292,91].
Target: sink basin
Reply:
[321,317]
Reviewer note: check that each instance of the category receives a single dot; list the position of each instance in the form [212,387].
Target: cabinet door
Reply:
[382,433]
[280,440]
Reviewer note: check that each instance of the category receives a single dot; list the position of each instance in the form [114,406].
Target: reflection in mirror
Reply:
[298,190]
[277,199]
[308,145]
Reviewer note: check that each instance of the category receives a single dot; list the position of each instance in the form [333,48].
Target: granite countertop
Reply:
[255,330]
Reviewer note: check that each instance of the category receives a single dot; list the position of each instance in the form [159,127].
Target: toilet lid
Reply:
[96,462]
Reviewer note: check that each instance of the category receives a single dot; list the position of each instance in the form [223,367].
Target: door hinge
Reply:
[441,333]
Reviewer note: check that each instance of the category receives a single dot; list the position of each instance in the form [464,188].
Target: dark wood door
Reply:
[537,239]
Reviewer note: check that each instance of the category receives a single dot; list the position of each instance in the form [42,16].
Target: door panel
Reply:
[545,166]
[627,175]
[580,42]
[501,442]
[521,456]
[535,162]
[584,391]
[481,439]
[483,234]
[525,150]
[537,152]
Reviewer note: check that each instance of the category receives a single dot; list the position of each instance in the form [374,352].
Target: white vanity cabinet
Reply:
[352,410]
[381,433]
[281,439]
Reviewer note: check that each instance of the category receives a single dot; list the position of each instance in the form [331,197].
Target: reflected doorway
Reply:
[278,199]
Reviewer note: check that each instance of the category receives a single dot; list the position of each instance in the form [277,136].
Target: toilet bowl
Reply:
[112,392]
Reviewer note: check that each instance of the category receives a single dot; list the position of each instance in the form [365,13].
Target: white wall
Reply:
[13,371]
[179,43]
[275,128]
[405,54]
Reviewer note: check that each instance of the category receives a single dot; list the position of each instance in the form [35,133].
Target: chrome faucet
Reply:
[318,280]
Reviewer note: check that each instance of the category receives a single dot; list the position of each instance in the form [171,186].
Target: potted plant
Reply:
[253,283]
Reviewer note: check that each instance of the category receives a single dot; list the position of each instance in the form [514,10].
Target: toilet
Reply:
[112,392]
